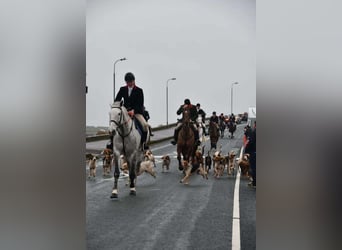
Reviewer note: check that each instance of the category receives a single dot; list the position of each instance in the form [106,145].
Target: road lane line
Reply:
[236,244]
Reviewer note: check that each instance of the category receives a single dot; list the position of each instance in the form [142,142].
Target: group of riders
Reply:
[195,112]
[133,97]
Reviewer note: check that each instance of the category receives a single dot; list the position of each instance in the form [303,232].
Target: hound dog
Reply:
[244,165]
[191,167]
[150,156]
[207,162]
[218,165]
[166,162]
[91,159]
[186,169]
[107,161]
[147,166]
[198,164]
[231,162]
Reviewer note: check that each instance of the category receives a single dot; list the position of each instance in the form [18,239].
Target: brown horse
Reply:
[222,126]
[231,128]
[213,134]
[185,140]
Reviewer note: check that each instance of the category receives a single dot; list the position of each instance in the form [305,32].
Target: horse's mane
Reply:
[117,104]
[186,115]
[212,129]
[212,124]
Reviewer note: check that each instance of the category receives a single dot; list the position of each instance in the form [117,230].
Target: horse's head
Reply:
[199,119]
[212,125]
[186,114]
[118,117]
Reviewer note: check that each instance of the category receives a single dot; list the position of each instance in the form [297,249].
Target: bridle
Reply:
[186,123]
[120,124]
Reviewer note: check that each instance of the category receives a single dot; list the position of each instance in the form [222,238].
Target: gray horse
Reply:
[126,142]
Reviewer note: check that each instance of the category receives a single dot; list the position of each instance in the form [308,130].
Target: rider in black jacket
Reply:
[193,117]
[134,103]
[203,114]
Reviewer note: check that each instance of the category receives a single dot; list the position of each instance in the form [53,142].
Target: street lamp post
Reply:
[167,100]
[231,97]
[121,59]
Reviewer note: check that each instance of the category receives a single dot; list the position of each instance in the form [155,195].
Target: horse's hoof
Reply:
[113,196]
[132,192]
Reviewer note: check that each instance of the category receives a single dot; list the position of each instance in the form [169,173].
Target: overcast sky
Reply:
[207,45]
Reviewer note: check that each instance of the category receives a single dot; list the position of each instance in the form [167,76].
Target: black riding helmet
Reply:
[129,77]
[187,101]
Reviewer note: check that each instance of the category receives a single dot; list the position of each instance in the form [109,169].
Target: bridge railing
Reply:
[106,135]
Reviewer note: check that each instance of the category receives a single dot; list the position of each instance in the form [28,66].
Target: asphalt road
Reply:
[166,214]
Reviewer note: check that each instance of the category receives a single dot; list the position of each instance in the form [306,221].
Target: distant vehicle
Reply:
[244,117]
[102,132]
[237,119]
[251,116]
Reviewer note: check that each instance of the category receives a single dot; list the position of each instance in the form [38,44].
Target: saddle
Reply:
[143,137]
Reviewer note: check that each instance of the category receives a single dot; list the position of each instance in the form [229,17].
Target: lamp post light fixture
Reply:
[121,59]
[167,99]
[231,97]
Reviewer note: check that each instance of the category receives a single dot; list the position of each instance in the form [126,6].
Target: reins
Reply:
[120,125]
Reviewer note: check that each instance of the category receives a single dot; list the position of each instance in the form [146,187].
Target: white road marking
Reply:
[165,146]
[236,244]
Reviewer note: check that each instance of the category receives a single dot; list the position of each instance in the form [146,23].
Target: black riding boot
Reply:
[110,143]
[144,145]
[175,137]
[197,142]
[150,131]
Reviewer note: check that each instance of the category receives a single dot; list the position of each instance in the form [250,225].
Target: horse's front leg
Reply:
[179,158]
[116,177]
[132,177]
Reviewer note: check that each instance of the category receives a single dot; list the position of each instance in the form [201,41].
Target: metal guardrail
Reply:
[106,136]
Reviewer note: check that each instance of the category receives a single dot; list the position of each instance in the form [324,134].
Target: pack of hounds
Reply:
[107,156]
[200,164]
